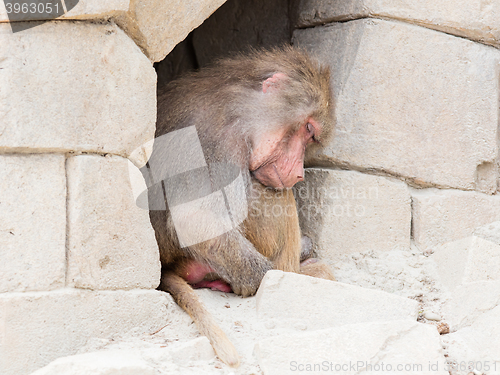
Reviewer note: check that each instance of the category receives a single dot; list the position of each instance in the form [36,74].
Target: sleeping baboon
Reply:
[230,143]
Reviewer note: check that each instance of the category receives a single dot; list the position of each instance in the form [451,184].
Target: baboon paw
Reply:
[315,268]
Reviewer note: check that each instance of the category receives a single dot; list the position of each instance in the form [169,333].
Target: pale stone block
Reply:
[412,102]
[344,212]
[108,362]
[111,241]
[400,347]
[158,25]
[198,349]
[477,345]
[467,260]
[468,301]
[38,327]
[74,86]
[32,222]
[441,216]
[490,232]
[177,358]
[140,156]
[287,299]
[155,25]
[83,9]
[474,19]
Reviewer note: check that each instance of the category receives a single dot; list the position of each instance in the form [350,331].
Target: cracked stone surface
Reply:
[50,99]
[156,26]
[473,19]
[340,303]
[286,327]
[404,346]
[408,101]
[347,212]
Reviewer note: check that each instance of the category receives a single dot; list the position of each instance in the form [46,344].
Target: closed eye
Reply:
[310,130]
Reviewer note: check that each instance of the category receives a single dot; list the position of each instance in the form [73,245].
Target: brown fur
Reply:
[187,299]
[230,111]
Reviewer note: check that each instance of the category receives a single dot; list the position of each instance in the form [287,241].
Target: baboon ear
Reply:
[273,83]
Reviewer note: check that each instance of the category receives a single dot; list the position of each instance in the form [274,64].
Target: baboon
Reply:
[252,115]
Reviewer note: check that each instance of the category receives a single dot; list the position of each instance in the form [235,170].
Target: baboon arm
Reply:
[235,259]
[187,299]
[288,258]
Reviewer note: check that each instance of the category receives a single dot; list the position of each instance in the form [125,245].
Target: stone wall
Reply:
[78,258]
[417,117]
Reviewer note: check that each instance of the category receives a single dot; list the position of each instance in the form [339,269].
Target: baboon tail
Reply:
[187,299]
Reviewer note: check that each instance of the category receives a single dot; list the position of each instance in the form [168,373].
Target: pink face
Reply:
[278,158]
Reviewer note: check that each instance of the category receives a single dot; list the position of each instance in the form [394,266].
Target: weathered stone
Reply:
[427,112]
[111,242]
[469,301]
[390,347]
[108,362]
[82,9]
[176,359]
[74,86]
[345,212]
[471,19]
[239,24]
[340,303]
[32,222]
[477,345]
[198,349]
[467,260]
[149,18]
[155,25]
[38,327]
[140,156]
[441,216]
[490,232]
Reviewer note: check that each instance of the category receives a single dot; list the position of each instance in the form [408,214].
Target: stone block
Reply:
[411,102]
[402,347]
[441,216]
[469,301]
[32,222]
[291,300]
[155,25]
[467,260]
[158,25]
[83,9]
[477,346]
[38,327]
[176,359]
[111,241]
[344,212]
[108,362]
[490,232]
[471,19]
[74,86]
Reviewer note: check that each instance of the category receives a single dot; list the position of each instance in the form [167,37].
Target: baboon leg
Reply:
[187,299]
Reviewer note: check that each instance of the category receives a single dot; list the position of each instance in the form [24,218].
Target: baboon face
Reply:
[278,159]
